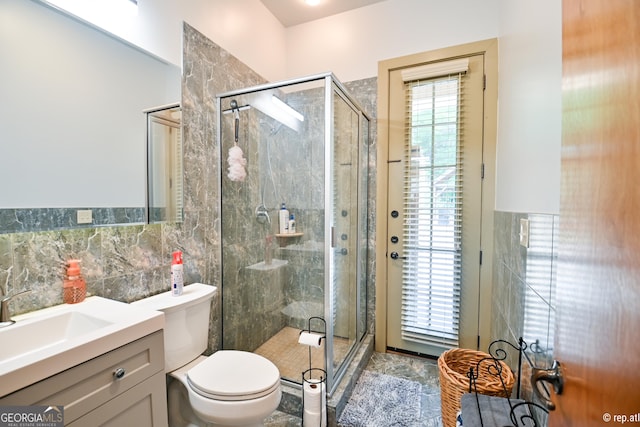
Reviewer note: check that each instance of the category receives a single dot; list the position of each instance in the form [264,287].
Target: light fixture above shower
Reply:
[277,109]
[286,108]
[274,107]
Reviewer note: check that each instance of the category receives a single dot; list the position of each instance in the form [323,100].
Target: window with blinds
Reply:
[432,234]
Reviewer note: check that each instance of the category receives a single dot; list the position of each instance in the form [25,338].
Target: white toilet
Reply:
[228,388]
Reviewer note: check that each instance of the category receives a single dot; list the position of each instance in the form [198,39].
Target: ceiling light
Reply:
[312,2]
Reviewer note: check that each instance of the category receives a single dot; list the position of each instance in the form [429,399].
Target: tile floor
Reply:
[292,358]
[425,371]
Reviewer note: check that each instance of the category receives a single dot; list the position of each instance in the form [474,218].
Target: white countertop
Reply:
[117,324]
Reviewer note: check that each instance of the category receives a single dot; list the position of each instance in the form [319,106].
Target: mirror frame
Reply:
[171,206]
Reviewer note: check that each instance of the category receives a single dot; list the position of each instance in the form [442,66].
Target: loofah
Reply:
[237,163]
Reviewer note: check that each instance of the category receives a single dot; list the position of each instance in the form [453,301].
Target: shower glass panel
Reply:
[305,142]
[345,212]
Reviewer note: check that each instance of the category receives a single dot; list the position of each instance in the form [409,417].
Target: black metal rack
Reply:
[517,411]
[308,375]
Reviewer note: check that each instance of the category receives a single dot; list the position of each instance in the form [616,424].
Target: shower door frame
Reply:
[332,87]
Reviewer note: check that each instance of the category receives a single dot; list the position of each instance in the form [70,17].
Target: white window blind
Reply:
[432,235]
[436,69]
[540,275]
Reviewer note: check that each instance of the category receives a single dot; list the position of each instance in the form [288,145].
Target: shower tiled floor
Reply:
[291,358]
[424,371]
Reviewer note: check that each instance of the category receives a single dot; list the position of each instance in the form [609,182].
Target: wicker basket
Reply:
[453,367]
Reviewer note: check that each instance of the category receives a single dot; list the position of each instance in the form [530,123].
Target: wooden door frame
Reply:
[489,48]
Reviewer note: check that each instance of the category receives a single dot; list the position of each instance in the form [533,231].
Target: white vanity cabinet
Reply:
[124,387]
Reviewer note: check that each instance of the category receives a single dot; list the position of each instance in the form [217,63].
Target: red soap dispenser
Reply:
[74,288]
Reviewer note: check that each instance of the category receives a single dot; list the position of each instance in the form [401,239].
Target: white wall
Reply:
[528,152]
[529,106]
[351,44]
[245,28]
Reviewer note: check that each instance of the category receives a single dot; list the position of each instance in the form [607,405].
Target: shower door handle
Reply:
[334,238]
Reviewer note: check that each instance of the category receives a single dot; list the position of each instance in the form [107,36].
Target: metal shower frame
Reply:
[334,376]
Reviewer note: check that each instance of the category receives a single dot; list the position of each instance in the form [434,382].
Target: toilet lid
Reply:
[234,375]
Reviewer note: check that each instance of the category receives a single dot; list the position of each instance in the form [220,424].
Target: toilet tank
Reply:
[186,317]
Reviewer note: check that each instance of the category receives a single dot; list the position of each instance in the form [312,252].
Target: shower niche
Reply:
[304,143]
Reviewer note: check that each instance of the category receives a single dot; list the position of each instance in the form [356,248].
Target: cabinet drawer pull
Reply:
[119,373]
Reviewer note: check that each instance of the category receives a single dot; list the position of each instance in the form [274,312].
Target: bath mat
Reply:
[381,400]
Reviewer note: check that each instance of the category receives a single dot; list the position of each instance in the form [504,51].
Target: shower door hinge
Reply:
[482,171]
[480,257]
[484,82]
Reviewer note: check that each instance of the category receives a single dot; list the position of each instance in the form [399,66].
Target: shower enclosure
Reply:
[306,144]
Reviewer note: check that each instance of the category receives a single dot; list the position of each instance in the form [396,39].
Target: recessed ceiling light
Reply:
[312,2]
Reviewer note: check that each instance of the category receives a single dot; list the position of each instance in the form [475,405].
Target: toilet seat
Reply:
[232,375]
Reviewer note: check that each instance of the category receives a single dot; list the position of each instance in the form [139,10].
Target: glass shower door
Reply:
[345,233]
[319,168]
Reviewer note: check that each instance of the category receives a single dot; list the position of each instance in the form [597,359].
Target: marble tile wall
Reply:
[124,263]
[524,289]
[46,219]
[283,165]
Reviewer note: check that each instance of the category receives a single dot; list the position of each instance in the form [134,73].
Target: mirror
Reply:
[164,167]
[73,122]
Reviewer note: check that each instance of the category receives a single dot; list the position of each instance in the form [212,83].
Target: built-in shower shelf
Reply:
[290,235]
[275,263]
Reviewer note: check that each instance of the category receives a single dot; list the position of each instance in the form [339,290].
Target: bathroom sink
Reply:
[26,337]
[44,342]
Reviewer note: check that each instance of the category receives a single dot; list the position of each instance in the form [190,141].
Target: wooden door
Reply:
[597,337]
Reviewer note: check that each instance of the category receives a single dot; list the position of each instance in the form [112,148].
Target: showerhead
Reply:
[262,214]
[234,104]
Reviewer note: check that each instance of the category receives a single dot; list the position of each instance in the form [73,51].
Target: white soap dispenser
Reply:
[292,224]
[283,219]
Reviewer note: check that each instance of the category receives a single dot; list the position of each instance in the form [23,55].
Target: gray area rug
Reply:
[380,400]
